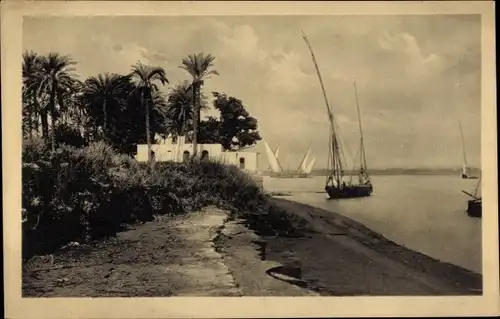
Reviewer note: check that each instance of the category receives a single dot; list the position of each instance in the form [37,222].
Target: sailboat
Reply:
[310,167]
[474,205]
[335,185]
[276,154]
[465,168]
[276,168]
[274,164]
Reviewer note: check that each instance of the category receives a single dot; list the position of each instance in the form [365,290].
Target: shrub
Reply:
[86,193]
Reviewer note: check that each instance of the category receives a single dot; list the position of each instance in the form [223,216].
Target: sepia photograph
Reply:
[214,153]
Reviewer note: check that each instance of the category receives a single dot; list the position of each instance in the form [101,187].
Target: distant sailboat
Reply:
[474,205]
[310,166]
[336,187]
[465,168]
[273,161]
[276,154]
[276,167]
[303,163]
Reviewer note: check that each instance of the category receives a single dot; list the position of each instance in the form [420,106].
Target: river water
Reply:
[425,213]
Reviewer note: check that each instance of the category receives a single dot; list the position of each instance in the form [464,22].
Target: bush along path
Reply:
[81,195]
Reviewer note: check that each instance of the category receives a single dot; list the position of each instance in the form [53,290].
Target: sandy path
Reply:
[160,258]
[207,254]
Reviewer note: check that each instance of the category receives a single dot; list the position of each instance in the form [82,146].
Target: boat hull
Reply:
[469,177]
[289,175]
[474,208]
[352,191]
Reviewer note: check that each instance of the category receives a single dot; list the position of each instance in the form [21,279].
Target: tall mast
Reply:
[363,157]
[333,138]
[328,109]
[463,144]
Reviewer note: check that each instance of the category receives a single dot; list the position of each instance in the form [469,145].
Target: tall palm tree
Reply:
[104,91]
[31,69]
[145,77]
[54,78]
[199,66]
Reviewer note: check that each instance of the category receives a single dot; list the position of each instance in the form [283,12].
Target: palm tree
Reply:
[54,79]
[180,109]
[145,76]
[199,66]
[31,68]
[104,91]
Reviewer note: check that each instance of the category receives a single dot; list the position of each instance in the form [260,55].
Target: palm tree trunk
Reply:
[105,118]
[53,116]
[45,123]
[148,133]
[30,122]
[196,109]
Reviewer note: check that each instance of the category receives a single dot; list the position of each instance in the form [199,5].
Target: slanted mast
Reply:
[363,170]
[334,163]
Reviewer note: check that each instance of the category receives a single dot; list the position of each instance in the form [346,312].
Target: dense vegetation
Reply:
[80,181]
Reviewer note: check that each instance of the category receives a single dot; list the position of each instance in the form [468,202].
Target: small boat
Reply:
[475,205]
[465,168]
[336,186]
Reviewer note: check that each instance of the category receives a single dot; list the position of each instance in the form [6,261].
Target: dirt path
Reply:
[160,258]
[207,254]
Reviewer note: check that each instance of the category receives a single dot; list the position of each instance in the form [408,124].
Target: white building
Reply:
[178,151]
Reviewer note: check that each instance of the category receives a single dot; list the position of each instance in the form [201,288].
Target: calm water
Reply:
[423,213]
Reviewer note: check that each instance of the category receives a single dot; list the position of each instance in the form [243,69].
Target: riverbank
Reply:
[284,249]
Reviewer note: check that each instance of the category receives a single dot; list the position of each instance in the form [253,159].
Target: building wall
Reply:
[245,160]
[168,151]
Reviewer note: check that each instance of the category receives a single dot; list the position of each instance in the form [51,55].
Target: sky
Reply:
[417,76]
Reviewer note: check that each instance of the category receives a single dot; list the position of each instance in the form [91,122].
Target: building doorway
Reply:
[204,155]
[185,156]
[242,163]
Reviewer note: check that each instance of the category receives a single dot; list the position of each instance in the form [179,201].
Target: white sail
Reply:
[303,165]
[277,152]
[310,166]
[273,161]
[465,168]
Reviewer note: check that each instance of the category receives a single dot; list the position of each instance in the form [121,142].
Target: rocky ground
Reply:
[208,253]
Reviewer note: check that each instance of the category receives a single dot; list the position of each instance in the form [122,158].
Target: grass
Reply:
[83,194]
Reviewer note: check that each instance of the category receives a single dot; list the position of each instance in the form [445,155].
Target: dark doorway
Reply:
[185,156]
[204,155]
[242,162]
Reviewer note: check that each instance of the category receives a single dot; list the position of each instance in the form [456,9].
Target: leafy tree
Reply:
[235,130]
[209,131]
[145,77]
[199,66]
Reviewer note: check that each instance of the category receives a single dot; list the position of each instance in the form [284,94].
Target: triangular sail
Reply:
[465,168]
[276,154]
[273,161]
[303,163]
[310,166]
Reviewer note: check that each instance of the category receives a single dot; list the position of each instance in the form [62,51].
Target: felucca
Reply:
[465,167]
[336,186]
